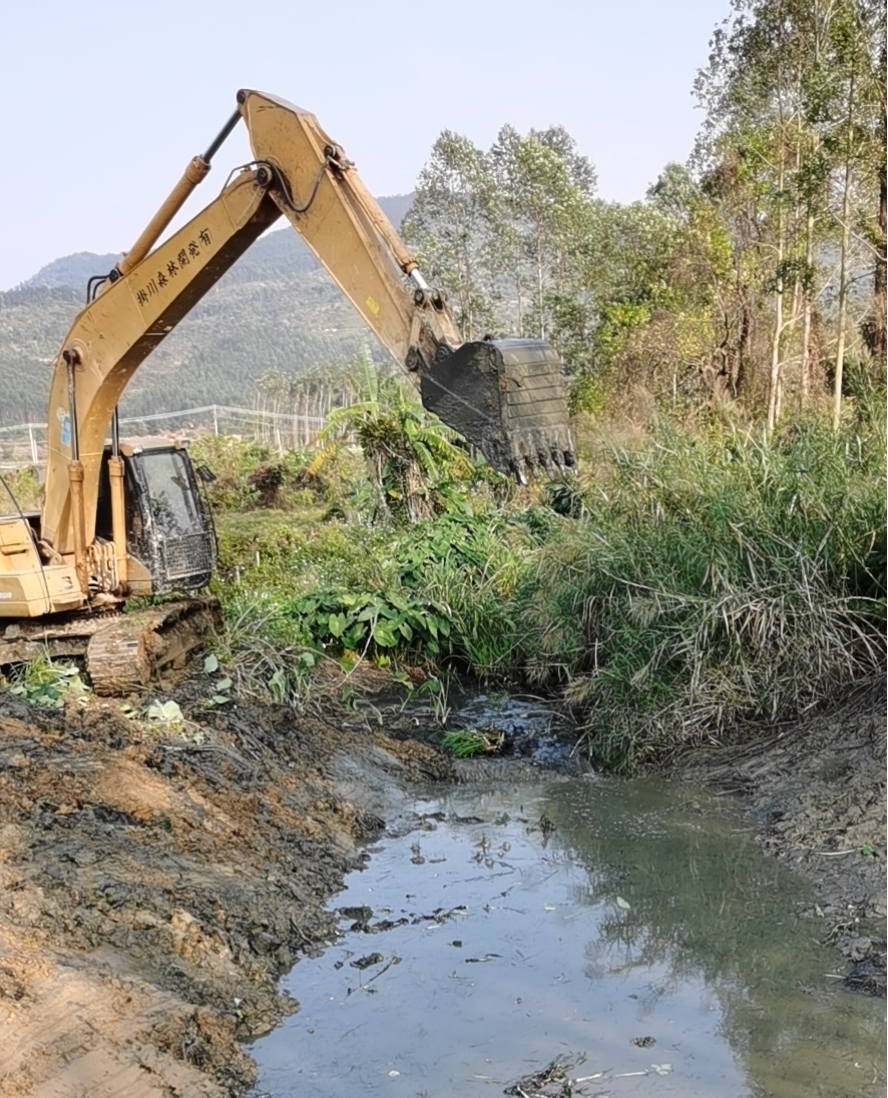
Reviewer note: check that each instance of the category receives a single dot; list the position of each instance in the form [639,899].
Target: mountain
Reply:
[71,270]
[276,308]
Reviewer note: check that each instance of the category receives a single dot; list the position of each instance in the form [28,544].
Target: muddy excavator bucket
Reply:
[506,398]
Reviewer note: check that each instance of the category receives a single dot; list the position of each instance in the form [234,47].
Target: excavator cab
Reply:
[169,528]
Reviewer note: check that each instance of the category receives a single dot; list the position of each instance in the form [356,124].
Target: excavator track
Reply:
[149,647]
[123,653]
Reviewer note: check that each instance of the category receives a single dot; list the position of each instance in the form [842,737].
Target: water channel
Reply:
[630,922]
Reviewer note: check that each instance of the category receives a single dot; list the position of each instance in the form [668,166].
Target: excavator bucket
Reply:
[506,398]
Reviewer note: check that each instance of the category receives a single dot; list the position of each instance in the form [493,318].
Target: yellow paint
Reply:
[372,306]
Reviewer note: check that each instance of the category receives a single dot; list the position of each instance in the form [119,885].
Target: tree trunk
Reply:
[874,327]
[805,364]
[880,278]
[774,376]
[843,269]
[791,323]
[540,295]
[874,333]
[821,20]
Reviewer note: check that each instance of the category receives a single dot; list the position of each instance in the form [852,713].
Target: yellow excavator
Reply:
[124,518]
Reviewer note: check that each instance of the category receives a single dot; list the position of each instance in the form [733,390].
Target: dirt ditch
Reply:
[155,882]
[154,885]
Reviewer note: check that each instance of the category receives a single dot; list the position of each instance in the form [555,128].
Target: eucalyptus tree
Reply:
[448,225]
[874,326]
[538,211]
[855,138]
[753,140]
[790,92]
[502,231]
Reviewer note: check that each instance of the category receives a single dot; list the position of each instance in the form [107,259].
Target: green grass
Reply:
[700,587]
[467,743]
[715,585]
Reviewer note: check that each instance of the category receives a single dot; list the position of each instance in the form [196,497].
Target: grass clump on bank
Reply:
[468,743]
[715,585]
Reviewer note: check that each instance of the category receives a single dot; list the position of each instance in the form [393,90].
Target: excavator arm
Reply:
[503,396]
[114,334]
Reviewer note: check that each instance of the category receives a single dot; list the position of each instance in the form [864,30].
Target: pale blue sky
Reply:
[106,102]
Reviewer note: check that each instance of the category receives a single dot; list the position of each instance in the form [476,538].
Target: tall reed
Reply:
[715,585]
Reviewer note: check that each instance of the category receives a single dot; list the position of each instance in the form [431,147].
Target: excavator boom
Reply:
[505,397]
[117,331]
[130,518]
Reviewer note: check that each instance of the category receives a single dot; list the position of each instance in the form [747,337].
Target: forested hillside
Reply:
[275,310]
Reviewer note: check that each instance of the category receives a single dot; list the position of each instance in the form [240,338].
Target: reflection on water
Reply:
[647,912]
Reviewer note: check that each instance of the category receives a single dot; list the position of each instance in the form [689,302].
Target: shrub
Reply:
[25,489]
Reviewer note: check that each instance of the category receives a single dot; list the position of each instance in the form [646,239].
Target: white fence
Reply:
[25,443]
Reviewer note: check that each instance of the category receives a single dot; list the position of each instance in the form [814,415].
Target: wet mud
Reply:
[156,882]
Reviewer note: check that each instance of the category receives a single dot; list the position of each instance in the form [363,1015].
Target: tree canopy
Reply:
[753,274]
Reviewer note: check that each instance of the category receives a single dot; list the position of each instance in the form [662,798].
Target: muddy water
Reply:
[630,922]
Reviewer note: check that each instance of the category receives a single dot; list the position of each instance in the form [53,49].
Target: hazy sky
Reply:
[106,102]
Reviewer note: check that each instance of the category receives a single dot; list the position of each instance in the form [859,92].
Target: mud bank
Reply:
[156,882]
[818,792]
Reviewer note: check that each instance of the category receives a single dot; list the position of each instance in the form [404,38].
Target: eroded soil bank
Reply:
[817,789]
[155,883]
